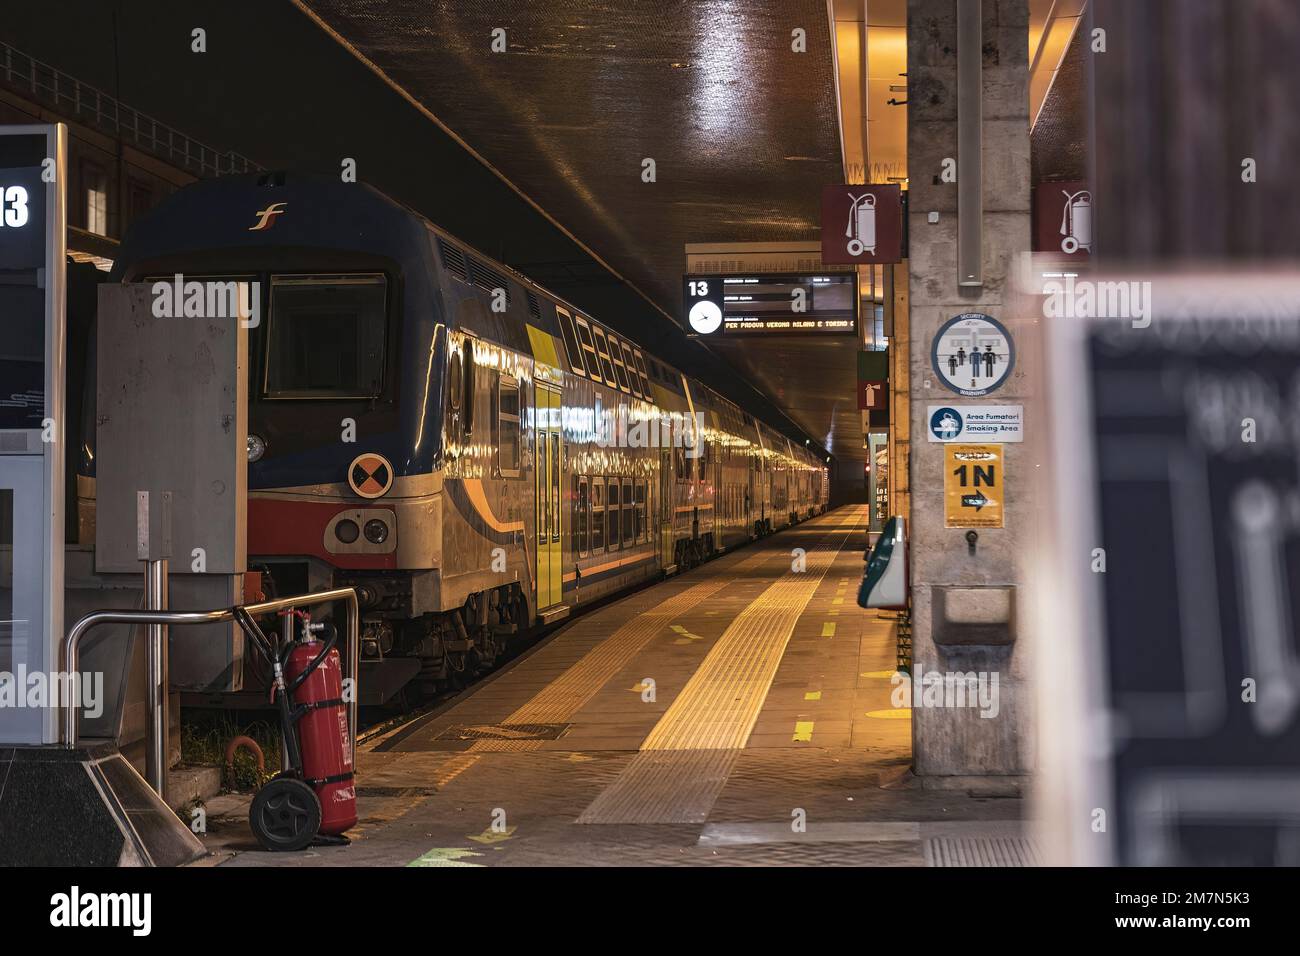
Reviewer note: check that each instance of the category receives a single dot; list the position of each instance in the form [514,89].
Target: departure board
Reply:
[773,305]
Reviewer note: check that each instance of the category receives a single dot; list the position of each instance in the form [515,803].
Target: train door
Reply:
[549,458]
[665,507]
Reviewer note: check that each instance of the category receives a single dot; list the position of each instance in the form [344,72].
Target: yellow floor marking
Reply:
[878,673]
[638,688]
[813,695]
[445,856]
[898,713]
[828,629]
[489,836]
[686,636]
[803,730]
[838,600]
[453,768]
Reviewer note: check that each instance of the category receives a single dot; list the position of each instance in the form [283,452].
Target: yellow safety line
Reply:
[719,705]
[828,629]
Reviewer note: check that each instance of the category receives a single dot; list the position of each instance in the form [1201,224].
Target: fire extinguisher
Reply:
[861,229]
[1076,222]
[314,800]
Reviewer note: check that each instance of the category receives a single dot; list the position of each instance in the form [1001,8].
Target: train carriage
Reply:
[474,454]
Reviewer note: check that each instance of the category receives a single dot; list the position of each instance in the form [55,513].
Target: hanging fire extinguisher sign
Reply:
[1063,219]
[862,224]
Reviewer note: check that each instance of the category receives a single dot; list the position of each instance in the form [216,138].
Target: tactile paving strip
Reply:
[684,762]
[664,787]
[981,851]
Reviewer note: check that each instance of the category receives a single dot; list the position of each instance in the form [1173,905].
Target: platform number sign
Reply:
[703,298]
[32,359]
[974,479]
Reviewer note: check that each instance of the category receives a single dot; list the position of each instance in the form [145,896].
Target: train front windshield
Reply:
[326,337]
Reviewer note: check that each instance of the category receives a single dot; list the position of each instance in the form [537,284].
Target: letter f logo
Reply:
[266,217]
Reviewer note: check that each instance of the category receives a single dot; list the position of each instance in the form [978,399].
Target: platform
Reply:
[770,708]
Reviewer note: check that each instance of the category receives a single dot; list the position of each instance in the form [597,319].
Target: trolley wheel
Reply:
[285,814]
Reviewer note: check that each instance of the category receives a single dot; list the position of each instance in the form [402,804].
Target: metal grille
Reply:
[981,851]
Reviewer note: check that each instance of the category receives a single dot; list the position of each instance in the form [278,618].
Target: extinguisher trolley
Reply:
[314,799]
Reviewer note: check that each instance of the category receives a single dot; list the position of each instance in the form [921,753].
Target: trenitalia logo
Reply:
[266,217]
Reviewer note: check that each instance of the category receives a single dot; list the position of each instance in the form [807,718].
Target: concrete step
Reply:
[187,784]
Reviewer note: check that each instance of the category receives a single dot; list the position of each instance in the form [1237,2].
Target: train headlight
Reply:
[376,531]
[256,447]
[347,531]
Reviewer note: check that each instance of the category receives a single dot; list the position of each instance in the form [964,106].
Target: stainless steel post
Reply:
[157,753]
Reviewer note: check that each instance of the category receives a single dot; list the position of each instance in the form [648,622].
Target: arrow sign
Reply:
[976,501]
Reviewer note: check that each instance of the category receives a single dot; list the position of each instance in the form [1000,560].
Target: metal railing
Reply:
[70,97]
[71,644]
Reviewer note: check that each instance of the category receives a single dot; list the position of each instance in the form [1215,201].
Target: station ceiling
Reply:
[743,131]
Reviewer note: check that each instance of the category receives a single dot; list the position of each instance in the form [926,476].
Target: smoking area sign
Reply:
[973,481]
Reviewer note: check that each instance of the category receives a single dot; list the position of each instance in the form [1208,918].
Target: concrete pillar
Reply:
[955,746]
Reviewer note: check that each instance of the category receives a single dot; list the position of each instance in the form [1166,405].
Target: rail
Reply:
[96,618]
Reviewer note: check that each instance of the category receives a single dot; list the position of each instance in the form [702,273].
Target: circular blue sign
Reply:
[946,423]
[972,354]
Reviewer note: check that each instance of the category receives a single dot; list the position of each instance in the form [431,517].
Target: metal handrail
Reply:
[96,618]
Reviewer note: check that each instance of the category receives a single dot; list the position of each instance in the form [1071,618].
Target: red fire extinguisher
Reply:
[314,669]
[314,800]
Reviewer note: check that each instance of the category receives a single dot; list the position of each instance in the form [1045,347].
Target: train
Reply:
[475,455]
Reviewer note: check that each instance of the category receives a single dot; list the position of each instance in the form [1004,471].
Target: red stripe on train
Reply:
[277,527]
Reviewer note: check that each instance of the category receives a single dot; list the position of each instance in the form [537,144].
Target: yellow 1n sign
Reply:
[973,482]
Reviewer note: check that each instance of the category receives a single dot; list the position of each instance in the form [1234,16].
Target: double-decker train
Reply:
[474,454]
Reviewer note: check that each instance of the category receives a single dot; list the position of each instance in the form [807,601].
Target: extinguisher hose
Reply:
[316,661]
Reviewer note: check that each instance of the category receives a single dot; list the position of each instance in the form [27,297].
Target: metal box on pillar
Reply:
[173,417]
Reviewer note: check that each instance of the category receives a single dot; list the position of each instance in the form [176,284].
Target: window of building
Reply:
[95,183]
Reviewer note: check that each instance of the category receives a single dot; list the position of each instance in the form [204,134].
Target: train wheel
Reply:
[285,815]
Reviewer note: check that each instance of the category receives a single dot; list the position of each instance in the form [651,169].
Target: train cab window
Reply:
[507,437]
[597,515]
[606,366]
[612,510]
[326,337]
[640,370]
[629,514]
[588,347]
[571,347]
[634,380]
[580,517]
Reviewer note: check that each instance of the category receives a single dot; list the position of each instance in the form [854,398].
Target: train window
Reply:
[597,515]
[571,347]
[640,370]
[612,509]
[588,347]
[606,366]
[642,528]
[468,375]
[629,514]
[507,438]
[580,518]
[555,486]
[630,364]
[326,336]
[619,372]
